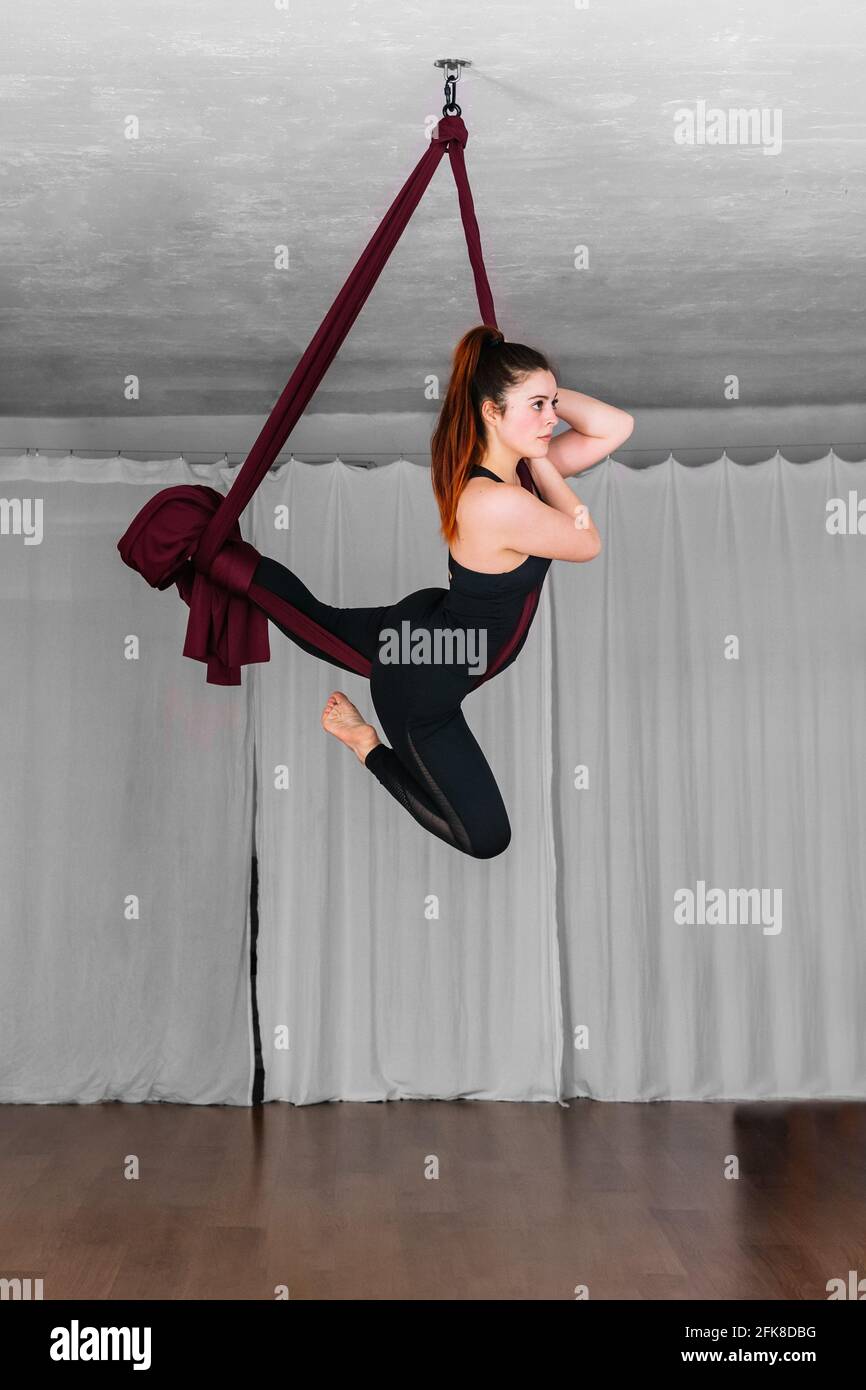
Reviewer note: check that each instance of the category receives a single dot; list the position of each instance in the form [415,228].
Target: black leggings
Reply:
[435,767]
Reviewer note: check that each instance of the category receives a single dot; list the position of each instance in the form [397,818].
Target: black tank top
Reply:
[505,601]
[529,574]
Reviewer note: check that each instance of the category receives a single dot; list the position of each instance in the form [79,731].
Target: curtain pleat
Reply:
[126,830]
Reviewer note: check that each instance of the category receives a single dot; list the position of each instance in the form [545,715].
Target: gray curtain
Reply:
[685,718]
[736,766]
[127,804]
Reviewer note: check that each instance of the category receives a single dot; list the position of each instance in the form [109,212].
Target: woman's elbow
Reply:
[620,432]
[591,537]
[589,548]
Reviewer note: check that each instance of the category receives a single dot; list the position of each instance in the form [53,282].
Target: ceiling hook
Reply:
[451,108]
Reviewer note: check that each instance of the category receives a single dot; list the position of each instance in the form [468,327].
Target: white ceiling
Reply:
[261,126]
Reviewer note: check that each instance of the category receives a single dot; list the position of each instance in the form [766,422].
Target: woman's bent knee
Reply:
[491,841]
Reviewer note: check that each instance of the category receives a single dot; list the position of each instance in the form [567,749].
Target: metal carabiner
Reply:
[451,108]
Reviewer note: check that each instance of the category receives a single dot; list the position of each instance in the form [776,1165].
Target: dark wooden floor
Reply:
[531,1200]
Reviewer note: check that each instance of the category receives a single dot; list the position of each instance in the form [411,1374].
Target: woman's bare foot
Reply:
[345,721]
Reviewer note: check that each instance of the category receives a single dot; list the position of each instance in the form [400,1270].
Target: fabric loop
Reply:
[233,568]
[225,629]
[451,128]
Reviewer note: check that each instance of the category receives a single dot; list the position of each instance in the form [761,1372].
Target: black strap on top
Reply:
[479,468]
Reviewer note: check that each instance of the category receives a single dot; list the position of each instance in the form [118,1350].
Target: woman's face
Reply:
[529,416]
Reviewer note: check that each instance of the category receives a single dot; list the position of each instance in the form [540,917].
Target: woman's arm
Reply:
[596,430]
[556,524]
[556,493]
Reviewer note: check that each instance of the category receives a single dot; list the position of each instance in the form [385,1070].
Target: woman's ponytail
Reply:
[484,366]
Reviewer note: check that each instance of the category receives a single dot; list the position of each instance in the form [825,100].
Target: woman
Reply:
[506,512]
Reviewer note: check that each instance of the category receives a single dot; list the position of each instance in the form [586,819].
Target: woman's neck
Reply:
[506,469]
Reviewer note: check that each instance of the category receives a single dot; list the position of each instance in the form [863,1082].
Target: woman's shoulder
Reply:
[485,496]
[478,495]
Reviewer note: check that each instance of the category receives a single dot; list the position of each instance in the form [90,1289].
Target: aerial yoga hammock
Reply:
[189,536]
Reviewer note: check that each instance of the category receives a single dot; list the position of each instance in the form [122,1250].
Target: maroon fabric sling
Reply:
[189,535]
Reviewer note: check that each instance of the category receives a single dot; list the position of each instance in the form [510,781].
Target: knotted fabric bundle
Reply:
[190,535]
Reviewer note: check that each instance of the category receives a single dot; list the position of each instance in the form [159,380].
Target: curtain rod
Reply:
[408,453]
